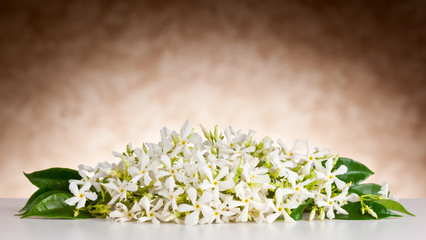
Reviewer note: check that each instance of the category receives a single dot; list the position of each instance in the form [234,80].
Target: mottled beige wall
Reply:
[80,79]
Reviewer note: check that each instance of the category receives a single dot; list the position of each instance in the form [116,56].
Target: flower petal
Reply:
[192,218]
[287,217]
[330,213]
[279,196]
[145,203]
[116,214]
[133,171]
[170,183]
[142,219]
[158,205]
[223,172]
[185,130]
[339,183]
[208,213]
[206,197]
[192,194]
[91,195]
[271,218]
[244,215]
[178,191]
[166,160]
[132,187]
[329,165]
[185,208]
[81,203]
[227,184]
[341,170]
[72,201]
[74,189]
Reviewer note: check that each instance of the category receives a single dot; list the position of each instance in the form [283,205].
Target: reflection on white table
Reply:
[407,227]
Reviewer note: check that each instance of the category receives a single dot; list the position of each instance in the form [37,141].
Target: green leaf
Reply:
[354,212]
[53,205]
[32,199]
[297,213]
[357,172]
[365,189]
[393,205]
[53,178]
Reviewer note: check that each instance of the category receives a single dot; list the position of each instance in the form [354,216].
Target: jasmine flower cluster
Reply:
[218,177]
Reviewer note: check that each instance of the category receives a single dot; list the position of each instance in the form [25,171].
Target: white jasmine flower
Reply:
[80,195]
[221,213]
[104,167]
[187,137]
[249,199]
[311,158]
[236,151]
[300,193]
[214,183]
[82,169]
[172,170]
[255,175]
[384,192]
[171,196]
[123,214]
[201,205]
[118,189]
[151,214]
[331,176]
[290,154]
[142,171]
[279,207]
[332,204]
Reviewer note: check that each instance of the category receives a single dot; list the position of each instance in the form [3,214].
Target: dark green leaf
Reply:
[392,205]
[357,172]
[34,197]
[365,189]
[53,178]
[53,205]
[354,212]
[297,213]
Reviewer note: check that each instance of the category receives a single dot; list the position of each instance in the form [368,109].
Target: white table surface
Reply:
[407,227]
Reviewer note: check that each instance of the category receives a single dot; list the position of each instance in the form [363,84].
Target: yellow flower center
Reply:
[291,154]
[129,215]
[151,214]
[193,175]
[311,158]
[210,166]
[215,183]
[172,171]
[246,200]
[143,172]
[280,209]
[216,214]
[122,190]
[183,142]
[80,195]
[171,196]
[296,189]
[197,206]
[331,177]
[231,144]
[331,203]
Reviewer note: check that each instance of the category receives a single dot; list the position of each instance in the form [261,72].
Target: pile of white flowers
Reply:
[226,177]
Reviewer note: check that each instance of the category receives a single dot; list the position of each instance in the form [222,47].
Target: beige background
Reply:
[80,79]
